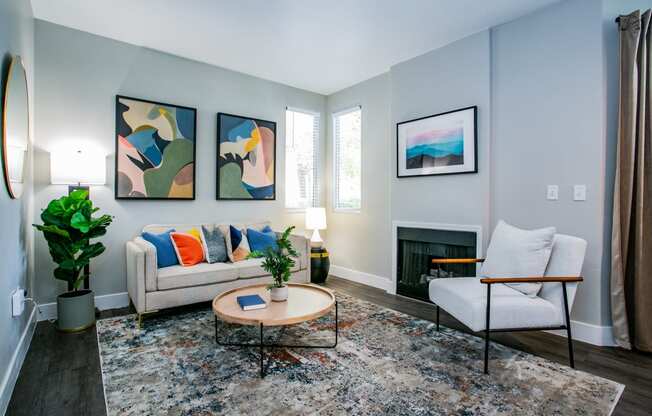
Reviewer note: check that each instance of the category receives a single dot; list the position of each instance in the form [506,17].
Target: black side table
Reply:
[319,264]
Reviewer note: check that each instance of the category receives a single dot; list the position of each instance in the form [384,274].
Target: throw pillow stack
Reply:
[211,243]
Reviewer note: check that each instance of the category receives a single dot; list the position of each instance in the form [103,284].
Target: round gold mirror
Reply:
[15,128]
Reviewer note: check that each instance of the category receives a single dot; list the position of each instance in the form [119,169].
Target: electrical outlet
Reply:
[18,302]
[579,193]
[553,193]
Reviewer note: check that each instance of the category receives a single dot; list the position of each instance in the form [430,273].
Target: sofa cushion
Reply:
[214,244]
[262,240]
[165,254]
[200,274]
[514,252]
[239,244]
[226,231]
[258,225]
[466,299]
[159,228]
[252,268]
[188,248]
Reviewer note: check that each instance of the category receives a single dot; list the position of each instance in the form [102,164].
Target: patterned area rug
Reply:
[386,362]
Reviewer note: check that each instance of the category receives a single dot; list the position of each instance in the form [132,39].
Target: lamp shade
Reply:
[73,166]
[316,218]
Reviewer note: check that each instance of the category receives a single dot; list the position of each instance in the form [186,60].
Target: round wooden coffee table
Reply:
[305,302]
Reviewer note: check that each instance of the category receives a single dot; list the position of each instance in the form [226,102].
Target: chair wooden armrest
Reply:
[456,261]
[542,279]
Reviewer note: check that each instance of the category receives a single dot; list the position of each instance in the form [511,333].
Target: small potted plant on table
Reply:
[68,226]
[278,261]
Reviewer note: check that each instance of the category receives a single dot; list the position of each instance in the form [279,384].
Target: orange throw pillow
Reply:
[189,250]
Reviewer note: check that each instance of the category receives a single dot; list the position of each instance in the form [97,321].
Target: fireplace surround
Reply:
[416,244]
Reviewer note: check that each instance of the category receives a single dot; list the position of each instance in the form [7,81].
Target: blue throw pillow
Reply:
[165,254]
[262,240]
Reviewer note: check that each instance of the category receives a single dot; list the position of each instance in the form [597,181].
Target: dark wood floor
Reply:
[61,373]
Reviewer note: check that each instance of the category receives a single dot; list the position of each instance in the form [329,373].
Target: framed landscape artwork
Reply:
[155,150]
[441,144]
[246,158]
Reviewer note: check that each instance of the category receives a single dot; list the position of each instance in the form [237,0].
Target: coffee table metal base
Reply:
[261,345]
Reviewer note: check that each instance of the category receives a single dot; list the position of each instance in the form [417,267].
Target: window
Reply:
[347,137]
[301,159]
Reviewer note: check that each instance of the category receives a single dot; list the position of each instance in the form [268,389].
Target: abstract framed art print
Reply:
[155,150]
[441,144]
[246,158]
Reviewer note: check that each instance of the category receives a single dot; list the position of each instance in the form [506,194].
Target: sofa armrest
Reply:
[302,245]
[151,268]
[136,275]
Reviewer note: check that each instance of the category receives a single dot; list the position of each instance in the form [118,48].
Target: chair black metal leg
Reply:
[437,318]
[486,332]
[568,327]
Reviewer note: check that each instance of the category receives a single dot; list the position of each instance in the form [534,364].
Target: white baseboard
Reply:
[114,300]
[592,334]
[11,375]
[361,277]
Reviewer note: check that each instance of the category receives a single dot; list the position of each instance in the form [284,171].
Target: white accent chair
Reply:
[487,304]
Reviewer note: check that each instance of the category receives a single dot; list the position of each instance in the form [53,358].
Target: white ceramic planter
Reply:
[279,294]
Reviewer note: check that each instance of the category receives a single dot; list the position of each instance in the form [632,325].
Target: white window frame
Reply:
[334,195]
[317,168]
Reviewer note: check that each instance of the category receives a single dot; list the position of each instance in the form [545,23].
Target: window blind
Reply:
[347,166]
[302,178]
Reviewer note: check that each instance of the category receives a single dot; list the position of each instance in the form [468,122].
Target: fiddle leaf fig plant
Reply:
[278,261]
[68,226]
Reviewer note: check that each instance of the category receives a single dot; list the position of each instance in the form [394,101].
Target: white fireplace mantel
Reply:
[477,229]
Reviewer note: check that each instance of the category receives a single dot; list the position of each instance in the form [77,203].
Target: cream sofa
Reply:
[152,289]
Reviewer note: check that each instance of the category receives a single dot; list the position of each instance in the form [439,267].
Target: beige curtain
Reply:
[631,265]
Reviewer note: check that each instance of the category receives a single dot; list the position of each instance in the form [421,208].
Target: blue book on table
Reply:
[250,302]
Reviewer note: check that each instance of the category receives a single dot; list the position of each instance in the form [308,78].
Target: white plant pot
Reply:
[279,294]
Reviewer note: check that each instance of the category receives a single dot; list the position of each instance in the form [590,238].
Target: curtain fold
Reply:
[631,269]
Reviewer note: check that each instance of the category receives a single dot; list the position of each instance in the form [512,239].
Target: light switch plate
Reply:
[17,302]
[553,193]
[579,193]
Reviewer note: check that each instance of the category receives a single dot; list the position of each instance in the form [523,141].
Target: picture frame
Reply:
[246,158]
[155,150]
[439,144]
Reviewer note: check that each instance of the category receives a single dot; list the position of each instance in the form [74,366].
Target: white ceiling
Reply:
[318,45]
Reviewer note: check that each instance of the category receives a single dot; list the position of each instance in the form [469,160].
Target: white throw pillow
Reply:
[514,252]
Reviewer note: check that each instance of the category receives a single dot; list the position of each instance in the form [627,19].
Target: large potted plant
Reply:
[278,261]
[68,226]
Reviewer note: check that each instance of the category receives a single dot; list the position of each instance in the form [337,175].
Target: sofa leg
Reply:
[437,318]
[141,317]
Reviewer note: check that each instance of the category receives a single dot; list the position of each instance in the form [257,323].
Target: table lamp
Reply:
[316,220]
[77,168]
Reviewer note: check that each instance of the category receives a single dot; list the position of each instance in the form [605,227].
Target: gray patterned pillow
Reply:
[214,244]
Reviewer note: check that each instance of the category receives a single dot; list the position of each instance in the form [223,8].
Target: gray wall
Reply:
[451,77]
[548,104]
[77,78]
[541,84]
[16,38]
[357,241]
